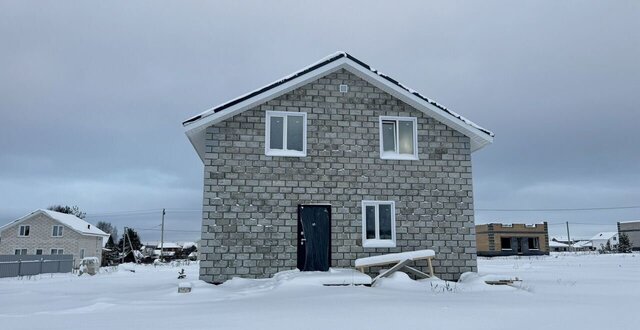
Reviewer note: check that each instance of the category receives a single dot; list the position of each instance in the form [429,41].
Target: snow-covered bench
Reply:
[400,260]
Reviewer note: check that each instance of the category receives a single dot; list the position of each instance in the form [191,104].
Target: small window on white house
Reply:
[286,134]
[19,252]
[378,224]
[56,251]
[38,251]
[24,230]
[57,231]
[398,138]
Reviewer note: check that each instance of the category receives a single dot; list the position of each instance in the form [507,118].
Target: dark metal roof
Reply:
[320,64]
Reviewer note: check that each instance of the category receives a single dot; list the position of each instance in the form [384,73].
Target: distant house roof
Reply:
[187,245]
[605,235]
[582,244]
[557,244]
[165,245]
[195,126]
[68,220]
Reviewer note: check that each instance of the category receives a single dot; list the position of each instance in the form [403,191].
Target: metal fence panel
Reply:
[26,265]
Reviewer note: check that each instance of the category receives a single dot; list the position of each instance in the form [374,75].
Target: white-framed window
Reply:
[286,134]
[24,230]
[20,252]
[57,231]
[81,253]
[57,251]
[38,251]
[398,138]
[378,224]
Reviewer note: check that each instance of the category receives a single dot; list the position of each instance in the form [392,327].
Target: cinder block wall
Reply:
[250,200]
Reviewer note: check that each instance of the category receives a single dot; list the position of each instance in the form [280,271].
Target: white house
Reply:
[43,232]
[600,240]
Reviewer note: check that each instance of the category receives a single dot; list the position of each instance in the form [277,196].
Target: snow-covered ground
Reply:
[558,291]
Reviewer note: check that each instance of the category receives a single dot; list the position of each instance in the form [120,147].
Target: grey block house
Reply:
[332,163]
[46,232]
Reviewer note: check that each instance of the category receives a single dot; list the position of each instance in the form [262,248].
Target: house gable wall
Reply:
[250,201]
[40,238]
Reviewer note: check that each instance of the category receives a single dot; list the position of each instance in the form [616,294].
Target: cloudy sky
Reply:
[92,96]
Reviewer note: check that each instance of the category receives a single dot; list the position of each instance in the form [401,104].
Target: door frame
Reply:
[299,235]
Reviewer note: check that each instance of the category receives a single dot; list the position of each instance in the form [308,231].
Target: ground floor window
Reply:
[38,251]
[81,253]
[534,243]
[57,251]
[378,224]
[19,252]
[505,242]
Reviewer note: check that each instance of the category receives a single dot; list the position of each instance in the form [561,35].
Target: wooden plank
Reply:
[430,266]
[416,272]
[391,270]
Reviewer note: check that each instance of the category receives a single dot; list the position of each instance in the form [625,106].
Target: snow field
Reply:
[580,291]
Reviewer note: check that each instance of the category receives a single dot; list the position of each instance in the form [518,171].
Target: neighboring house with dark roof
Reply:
[44,232]
[334,162]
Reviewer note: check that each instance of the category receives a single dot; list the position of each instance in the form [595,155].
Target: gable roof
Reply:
[605,235]
[68,220]
[195,126]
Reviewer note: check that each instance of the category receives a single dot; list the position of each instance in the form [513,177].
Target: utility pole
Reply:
[131,246]
[162,235]
[123,241]
[569,237]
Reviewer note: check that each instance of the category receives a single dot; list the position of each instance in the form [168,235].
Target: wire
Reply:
[562,209]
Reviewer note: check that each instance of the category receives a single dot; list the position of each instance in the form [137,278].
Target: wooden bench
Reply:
[400,261]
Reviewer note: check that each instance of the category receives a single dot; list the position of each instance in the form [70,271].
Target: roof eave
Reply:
[195,127]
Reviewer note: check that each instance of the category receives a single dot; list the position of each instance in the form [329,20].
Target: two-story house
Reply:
[334,162]
[43,232]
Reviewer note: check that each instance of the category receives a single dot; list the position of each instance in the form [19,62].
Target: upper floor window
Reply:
[286,134]
[24,230]
[57,231]
[378,224]
[398,138]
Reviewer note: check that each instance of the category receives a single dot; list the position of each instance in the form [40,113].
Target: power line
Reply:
[562,209]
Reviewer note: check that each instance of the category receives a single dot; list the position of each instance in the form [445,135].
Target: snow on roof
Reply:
[165,245]
[68,220]
[557,244]
[243,102]
[632,221]
[187,245]
[582,244]
[605,235]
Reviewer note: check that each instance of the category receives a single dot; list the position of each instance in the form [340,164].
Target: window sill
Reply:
[373,243]
[285,153]
[398,156]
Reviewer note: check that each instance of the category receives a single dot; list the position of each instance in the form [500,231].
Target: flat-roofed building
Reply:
[500,239]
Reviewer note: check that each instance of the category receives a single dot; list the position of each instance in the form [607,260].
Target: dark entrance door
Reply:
[314,237]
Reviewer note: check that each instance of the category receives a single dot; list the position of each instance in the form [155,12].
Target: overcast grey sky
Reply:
[92,95]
